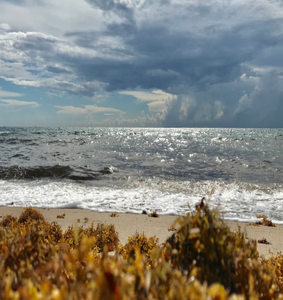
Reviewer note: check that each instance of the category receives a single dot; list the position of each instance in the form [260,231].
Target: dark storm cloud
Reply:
[266,104]
[16,2]
[187,59]
[118,8]
[221,58]
[85,39]
[254,102]
[195,64]
[26,2]
[32,44]
[57,70]
[215,55]
[156,55]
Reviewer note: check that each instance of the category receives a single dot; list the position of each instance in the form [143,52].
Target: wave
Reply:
[17,172]
[54,172]
[18,141]
[235,200]
[200,154]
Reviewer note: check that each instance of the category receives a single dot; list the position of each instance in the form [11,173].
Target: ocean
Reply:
[167,170]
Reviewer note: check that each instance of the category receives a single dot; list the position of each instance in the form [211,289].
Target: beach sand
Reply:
[129,224]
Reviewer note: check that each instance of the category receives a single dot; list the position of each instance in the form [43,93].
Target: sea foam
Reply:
[235,201]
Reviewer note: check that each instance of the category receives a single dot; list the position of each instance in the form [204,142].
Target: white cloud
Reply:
[87,109]
[246,101]
[156,100]
[156,106]
[100,98]
[7,94]
[5,27]
[12,102]
[36,15]
[182,48]
[141,121]
[87,89]
[219,109]
[33,59]
[155,95]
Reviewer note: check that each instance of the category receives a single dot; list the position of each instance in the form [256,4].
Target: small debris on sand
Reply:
[154,215]
[263,241]
[61,216]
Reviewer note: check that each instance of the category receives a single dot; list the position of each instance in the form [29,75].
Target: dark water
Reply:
[114,169]
[247,155]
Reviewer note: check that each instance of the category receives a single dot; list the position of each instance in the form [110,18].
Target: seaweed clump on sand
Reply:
[61,216]
[205,248]
[265,221]
[29,215]
[140,243]
[102,235]
[9,221]
[203,259]
[154,214]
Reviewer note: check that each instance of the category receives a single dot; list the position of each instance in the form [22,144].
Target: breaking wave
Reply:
[54,172]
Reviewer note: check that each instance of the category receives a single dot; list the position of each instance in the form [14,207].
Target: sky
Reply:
[141,63]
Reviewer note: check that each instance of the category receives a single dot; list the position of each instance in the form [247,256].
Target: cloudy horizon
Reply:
[141,63]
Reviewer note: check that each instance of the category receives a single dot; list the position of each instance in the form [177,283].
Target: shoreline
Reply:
[127,224]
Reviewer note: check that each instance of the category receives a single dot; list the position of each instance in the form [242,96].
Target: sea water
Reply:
[168,170]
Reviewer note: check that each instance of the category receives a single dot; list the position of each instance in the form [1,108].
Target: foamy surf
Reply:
[169,170]
[235,201]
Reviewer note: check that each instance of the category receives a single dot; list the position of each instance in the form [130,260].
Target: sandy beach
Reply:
[128,224]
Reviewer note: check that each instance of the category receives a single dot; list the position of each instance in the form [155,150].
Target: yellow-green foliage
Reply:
[275,266]
[30,214]
[172,228]
[205,248]
[61,216]
[52,232]
[8,221]
[141,242]
[265,221]
[22,250]
[103,235]
[202,260]
[35,271]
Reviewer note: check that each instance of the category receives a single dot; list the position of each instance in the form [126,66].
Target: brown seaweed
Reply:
[61,216]
[154,214]
[203,259]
